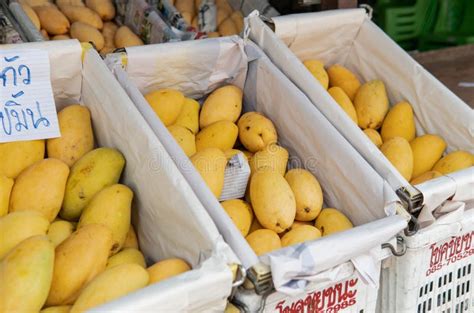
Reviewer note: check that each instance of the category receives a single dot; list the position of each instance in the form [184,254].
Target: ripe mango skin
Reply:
[25,275]
[256,131]
[371,104]
[18,155]
[40,188]
[273,158]
[300,234]
[223,104]
[57,309]
[211,163]
[131,240]
[316,68]
[113,283]
[166,103]
[454,161]
[18,226]
[167,268]
[273,201]
[185,139]
[6,185]
[96,170]
[189,115]
[374,136]
[127,256]
[241,214]
[308,193]
[425,177]
[427,150]
[78,259]
[332,221]
[111,207]
[398,151]
[344,102]
[221,135]
[263,241]
[339,76]
[77,137]
[399,122]
[60,230]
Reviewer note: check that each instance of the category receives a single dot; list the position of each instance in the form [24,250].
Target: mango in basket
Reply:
[316,68]
[6,185]
[184,137]
[86,33]
[131,240]
[166,269]
[398,151]
[18,226]
[93,172]
[272,158]
[223,104]
[57,309]
[344,102]
[167,104]
[221,135]
[427,150]
[60,3]
[25,275]
[256,131]
[374,136]
[105,8]
[18,155]
[124,37]
[332,221]
[425,177]
[127,256]
[273,200]
[77,261]
[189,115]
[40,188]
[308,193]
[371,104]
[113,283]
[59,231]
[111,207]
[82,14]
[300,234]
[52,20]
[241,214]
[31,15]
[210,164]
[454,161]
[399,122]
[263,241]
[339,76]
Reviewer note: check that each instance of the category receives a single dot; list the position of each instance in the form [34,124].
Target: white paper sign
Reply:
[27,108]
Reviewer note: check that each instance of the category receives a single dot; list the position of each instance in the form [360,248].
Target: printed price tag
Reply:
[27,108]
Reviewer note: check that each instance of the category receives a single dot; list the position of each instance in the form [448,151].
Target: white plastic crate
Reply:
[435,275]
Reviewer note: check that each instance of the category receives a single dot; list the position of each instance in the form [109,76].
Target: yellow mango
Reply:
[127,256]
[240,213]
[300,234]
[25,276]
[82,14]
[35,3]
[272,200]
[105,8]
[60,37]
[308,193]
[230,308]
[124,37]
[344,102]
[425,177]
[427,150]
[399,122]
[78,259]
[86,33]
[238,20]
[255,225]
[18,155]
[230,153]
[6,185]
[59,231]
[111,207]
[113,283]
[339,76]
[454,161]
[221,135]
[131,240]
[316,68]
[211,163]
[189,115]
[221,15]
[273,158]
[374,136]
[167,104]
[18,226]
[300,223]
[227,28]
[57,309]
[93,172]
[398,151]
[332,221]
[371,104]
[108,31]
[185,138]
[256,131]
[223,104]
[166,269]
[52,20]
[213,35]
[31,15]
[76,138]
[263,241]
[60,3]
[40,188]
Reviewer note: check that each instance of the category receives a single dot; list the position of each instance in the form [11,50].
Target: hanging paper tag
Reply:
[27,108]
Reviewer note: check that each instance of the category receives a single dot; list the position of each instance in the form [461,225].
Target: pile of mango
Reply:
[66,240]
[89,21]
[391,129]
[228,21]
[281,208]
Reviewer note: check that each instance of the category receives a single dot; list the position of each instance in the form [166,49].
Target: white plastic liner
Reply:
[349,183]
[169,219]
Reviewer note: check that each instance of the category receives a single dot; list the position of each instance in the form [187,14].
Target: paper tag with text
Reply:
[27,108]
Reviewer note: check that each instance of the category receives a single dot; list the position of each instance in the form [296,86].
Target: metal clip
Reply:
[240,276]
[413,227]
[261,277]
[395,252]
[411,197]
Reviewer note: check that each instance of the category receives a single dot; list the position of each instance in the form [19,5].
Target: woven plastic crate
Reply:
[437,272]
